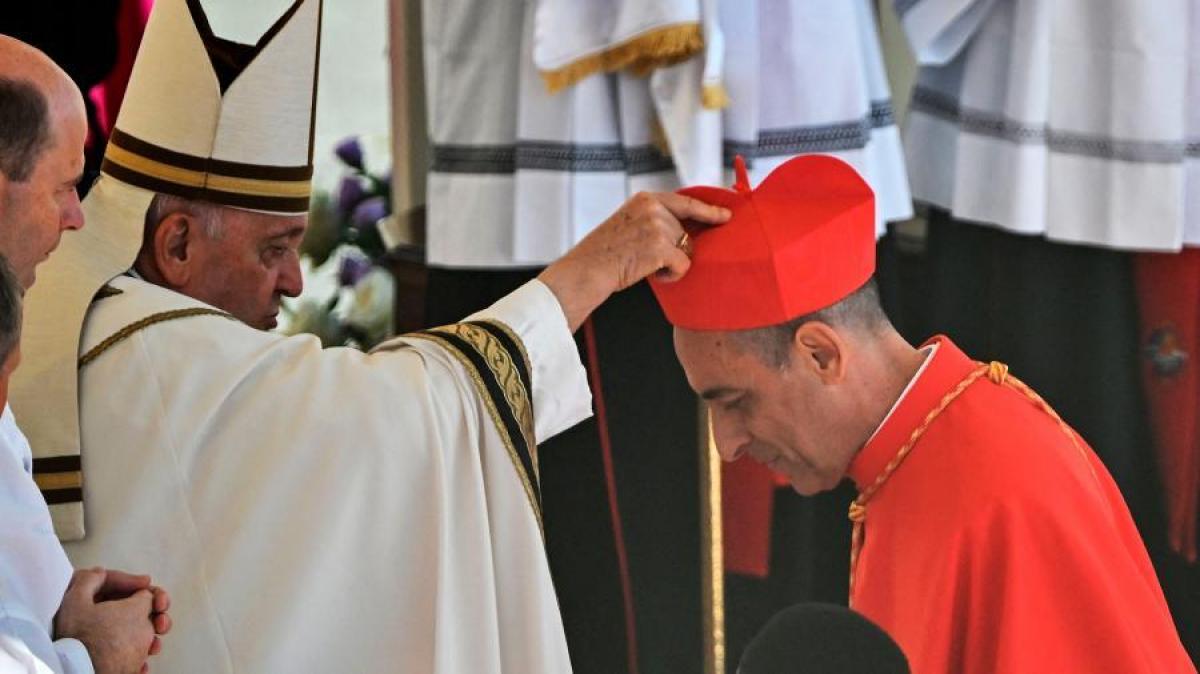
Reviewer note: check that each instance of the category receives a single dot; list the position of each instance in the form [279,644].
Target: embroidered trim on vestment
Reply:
[994,125]
[495,360]
[146,322]
[567,157]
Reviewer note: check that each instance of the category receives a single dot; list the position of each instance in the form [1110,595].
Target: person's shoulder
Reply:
[1002,444]
[11,438]
[135,295]
[128,308]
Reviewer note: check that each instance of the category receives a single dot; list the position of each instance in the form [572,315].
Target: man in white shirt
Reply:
[50,620]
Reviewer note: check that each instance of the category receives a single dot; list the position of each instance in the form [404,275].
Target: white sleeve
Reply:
[16,658]
[26,648]
[938,29]
[561,397]
[73,656]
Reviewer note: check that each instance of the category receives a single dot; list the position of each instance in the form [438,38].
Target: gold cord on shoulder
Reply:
[858,509]
[128,330]
[998,374]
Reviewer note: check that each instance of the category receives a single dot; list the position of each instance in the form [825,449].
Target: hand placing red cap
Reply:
[801,241]
[644,237]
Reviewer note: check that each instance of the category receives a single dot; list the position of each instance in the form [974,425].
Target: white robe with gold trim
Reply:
[321,510]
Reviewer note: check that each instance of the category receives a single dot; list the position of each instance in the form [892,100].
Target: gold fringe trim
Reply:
[714,96]
[641,54]
[658,137]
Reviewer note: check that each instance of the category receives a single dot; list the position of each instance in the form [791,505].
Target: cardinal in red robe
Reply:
[987,535]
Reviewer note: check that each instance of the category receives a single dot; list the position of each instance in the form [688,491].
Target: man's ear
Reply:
[175,242]
[818,347]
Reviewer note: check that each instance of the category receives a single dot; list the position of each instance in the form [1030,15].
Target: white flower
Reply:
[313,317]
[369,305]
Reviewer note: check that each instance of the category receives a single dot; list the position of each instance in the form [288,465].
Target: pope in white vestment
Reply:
[326,510]
[311,510]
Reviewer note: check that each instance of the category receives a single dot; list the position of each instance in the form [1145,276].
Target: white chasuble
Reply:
[328,510]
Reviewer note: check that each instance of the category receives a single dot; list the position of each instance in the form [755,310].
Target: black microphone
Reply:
[818,638]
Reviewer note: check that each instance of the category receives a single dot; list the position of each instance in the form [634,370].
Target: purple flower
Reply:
[350,192]
[350,152]
[352,270]
[368,212]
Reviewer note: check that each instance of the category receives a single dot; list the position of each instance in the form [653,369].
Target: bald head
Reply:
[19,61]
[34,91]
[43,126]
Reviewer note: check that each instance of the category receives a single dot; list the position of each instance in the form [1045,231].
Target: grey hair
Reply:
[11,293]
[162,205]
[24,128]
[860,310]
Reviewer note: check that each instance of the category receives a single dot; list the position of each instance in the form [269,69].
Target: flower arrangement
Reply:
[348,297]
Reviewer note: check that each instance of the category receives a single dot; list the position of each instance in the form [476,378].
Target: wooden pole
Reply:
[712,555]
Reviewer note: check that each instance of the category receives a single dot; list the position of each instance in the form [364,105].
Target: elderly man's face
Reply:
[250,266]
[35,212]
[782,417]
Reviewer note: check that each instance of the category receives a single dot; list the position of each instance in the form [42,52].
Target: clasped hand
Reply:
[117,616]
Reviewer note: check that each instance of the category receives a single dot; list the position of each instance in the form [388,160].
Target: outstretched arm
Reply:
[641,238]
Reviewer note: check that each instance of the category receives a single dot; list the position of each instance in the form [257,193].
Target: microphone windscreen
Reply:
[819,638]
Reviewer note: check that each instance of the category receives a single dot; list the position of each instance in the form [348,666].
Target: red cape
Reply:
[999,545]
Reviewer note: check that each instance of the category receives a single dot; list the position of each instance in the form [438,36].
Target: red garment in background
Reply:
[132,16]
[1168,287]
[747,503]
[747,499]
[999,545]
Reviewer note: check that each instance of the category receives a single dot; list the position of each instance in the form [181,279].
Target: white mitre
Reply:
[203,118]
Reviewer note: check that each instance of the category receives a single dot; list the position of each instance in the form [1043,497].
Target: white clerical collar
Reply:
[929,351]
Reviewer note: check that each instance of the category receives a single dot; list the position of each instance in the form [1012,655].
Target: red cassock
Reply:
[1000,543]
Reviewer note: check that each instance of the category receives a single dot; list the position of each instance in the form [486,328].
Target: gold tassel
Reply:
[641,54]
[658,138]
[714,97]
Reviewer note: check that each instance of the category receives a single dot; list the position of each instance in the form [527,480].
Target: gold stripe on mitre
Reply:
[50,481]
[262,187]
